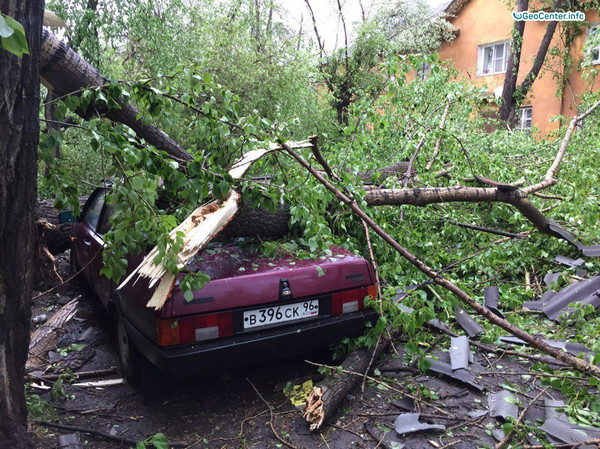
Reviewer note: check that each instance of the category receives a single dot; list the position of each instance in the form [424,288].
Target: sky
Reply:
[328,18]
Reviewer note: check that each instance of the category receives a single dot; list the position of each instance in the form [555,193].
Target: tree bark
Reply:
[62,69]
[19,131]
[58,239]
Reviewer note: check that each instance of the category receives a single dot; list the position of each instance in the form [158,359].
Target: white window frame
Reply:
[481,56]
[522,125]
[593,27]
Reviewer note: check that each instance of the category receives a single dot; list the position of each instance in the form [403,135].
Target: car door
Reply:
[102,285]
[85,233]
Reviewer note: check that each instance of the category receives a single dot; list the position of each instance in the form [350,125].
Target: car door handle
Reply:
[86,242]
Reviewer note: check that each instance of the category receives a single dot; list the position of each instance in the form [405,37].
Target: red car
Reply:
[254,308]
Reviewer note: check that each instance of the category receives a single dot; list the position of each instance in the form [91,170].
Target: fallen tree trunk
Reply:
[44,338]
[58,238]
[66,72]
[250,221]
[325,398]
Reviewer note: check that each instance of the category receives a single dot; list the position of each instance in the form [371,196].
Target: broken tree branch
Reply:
[438,142]
[104,435]
[579,364]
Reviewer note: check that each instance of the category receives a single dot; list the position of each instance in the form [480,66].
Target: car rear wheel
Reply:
[128,359]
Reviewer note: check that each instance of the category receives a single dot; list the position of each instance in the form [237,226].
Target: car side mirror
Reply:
[66,217]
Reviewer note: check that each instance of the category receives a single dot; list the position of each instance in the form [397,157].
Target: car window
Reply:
[104,227]
[93,211]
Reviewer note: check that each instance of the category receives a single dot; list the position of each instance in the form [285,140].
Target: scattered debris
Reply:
[540,303]
[324,399]
[503,404]
[567,261]
[384,439]
[69,441]
[563,432]
[100,383]
[471,327]
[297,394]
[409,423]
[40,319]
[590,251]
[460,353]
[460,375]
[551,278]
[44,338]
[585,292]
[572,348]
[407,404]
[491,297]
[104,435]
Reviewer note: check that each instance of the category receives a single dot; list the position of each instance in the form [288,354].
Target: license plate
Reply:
[281,314]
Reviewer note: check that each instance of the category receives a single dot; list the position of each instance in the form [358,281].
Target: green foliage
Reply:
[157,441]
[12,36]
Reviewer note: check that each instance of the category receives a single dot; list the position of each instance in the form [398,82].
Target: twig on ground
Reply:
[103,435]
[272,417]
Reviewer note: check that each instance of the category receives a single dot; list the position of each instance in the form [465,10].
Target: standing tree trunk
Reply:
[507,108]
[19,135]
[512,95]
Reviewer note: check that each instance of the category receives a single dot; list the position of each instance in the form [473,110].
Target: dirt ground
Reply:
[225,410]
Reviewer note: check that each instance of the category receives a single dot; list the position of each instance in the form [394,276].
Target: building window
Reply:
[492,58]
[525,115]
[593,34]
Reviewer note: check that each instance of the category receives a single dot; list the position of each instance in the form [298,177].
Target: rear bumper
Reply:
[251,348]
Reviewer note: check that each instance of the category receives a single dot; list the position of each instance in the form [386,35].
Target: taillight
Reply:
[351,300]
[191,329]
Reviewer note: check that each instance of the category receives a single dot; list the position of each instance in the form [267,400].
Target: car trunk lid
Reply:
[241,277]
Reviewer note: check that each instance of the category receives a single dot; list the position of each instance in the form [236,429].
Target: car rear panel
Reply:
[241,279]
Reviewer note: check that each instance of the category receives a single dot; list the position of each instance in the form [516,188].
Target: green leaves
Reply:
[12,36]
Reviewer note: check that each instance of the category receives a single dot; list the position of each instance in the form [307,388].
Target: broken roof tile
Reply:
[409,423]
[539,304]
[562,431]
[491,297]
[567,261]
[460,375]
[583,291]
[551,278]
[502,404]
[460,353]
[467,322]
[590,251]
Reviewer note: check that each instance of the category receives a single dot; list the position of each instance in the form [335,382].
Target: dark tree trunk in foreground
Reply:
[19,134]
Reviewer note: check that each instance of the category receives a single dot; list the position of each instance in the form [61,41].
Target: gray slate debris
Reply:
[460,375]
[541,303]
[471,327]
[491,296]
[562,431]
[460,353]
[502,405]
[69,441]
[567,261]
[551,278]
[586,292]
[409,423]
